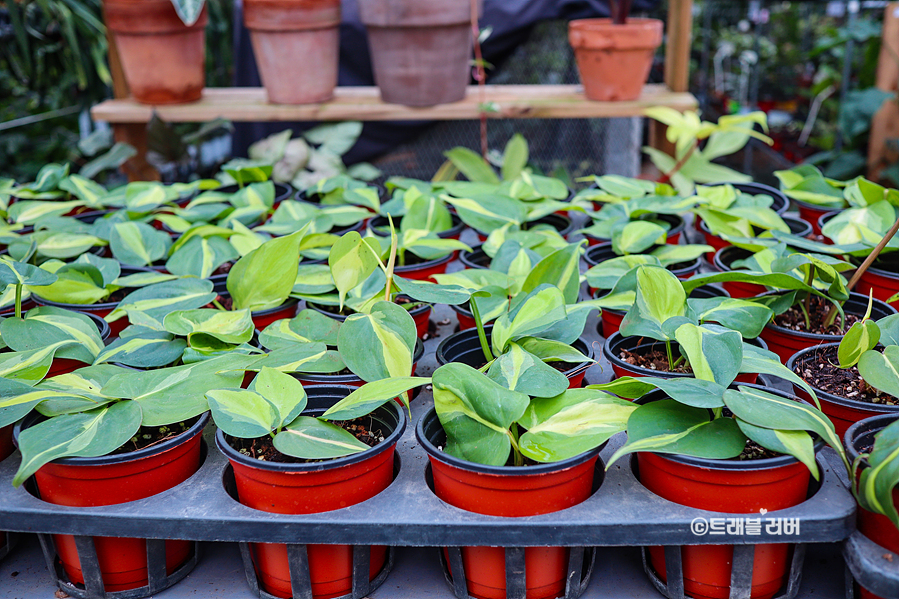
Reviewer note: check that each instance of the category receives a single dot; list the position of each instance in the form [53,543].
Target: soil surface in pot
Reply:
[226,302]
[794,320]
[656,359]
[263,449]
[824,373]
[118,295]
[148,436]
[223,269]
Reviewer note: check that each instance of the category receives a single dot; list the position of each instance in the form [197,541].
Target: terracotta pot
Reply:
[380,226]
[677,226]
[614,60]
[811,214]
[615,343]
[315,487]
[421,314]
[722,262]
[424,270]
[465,347]
[877,527]
[785,342]
[331,379]
[733,487]
[842,411]
[163,59]
[610,320]
[420,49]
[882,277]
[560,223]
[509,492]
[797,227]
[284,30]
[114,479]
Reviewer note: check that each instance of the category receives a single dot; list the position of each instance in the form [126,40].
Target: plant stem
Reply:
[808,322]
[868,261]
[216,303]
[808,297]
[480,75]
[513,439]
[482,336]
[391,262]
[670,355]
[18,300]
[666,178]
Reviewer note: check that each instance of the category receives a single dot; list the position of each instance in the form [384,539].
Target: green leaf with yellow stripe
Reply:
[379,344]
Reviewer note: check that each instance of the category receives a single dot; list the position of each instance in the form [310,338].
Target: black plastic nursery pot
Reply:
[844,412]
[560,223]
[877,528]
[508,491]
[781,202]
[310,487]
[283,191]
[327,378]
[465,347]
[380,226]
[599,253]
[733,487]
[477,258]
[421,314]
[617,343]
[676,223]
[785,342]
[115,479]
[797,227]
[723,261]
[610,320]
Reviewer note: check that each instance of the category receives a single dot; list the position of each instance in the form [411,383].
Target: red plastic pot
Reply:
[616,342]
[811,213]
[733,487]
[785,342]
[421,314]
[27,304]
[610,320]
[877,527]
[843,412]
[263,318]
[465,347]
[424,270]
[510,492]
[677,226]
[314,487]
[114,479]
[882,277]
[722,262]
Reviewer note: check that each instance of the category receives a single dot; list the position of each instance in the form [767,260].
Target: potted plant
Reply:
[104,435]
[511,442]
[711,446]
[303,452]
[420,50]
[614,55]
[852,378]
[871,445]
[812,193]
[161,44]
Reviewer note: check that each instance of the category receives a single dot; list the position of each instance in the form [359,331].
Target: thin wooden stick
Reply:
[868,261]
[480,76]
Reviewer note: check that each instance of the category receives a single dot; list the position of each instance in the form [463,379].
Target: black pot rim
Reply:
[735,464]
[424,307]
[619,339]
[221,440]
[875,270]
[440,354]
[718,261]
[120,458]
[339,379]
[542,468]
[760,188]
[606,246]
[562,224]
[875,424]
[102,325]
[802,355]
[426,264]
[721,292]
[859,299]
[381,221]
[802,228]
[468,258]
[678,225]
[222,291]
[816,207]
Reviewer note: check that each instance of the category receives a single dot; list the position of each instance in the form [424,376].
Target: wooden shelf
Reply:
[364,104]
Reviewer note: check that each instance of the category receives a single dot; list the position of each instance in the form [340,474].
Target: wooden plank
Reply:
[364,103]
[885,124]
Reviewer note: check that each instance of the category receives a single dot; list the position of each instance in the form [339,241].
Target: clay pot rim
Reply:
[121,458]
[500,471]
[852,434]
[324,391]
[455,230]
[605,24]
[858,297]
[863,406]
[619,339]
[578,343]
[733,464]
